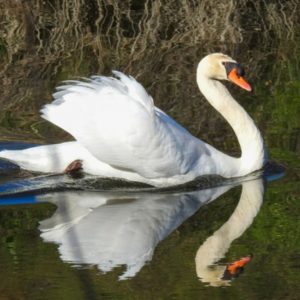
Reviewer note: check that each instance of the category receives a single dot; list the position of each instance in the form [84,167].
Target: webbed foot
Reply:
[74,169]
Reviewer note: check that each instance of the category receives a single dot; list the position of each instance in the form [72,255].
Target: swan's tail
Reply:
[45,158]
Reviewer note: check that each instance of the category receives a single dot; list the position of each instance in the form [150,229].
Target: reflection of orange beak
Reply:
[239,80]
[232,268]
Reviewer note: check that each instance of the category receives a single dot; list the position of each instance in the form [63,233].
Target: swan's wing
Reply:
[115,119]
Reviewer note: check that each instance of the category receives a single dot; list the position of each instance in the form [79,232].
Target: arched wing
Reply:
[115,119]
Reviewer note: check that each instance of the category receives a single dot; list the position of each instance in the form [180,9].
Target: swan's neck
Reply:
[216,246]
[248,135]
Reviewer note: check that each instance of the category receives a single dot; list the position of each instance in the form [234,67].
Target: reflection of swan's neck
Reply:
[248,135]
[215,247]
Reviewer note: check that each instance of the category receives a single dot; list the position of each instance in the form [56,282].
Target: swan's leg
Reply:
[74,169]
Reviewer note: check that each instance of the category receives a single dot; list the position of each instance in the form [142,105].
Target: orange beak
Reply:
[232,268]
[239,80]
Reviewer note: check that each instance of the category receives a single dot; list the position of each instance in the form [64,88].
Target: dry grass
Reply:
[159,42]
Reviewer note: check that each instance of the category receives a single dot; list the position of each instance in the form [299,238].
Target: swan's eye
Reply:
[229,66]
[240,70]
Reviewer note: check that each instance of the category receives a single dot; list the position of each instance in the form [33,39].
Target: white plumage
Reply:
[120,133]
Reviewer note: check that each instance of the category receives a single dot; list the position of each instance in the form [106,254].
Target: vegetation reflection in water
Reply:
[159,43]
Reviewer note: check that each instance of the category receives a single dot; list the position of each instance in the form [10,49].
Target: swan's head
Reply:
[222,67]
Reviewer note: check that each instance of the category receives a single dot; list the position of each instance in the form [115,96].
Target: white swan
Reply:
[120,133]
[112,229]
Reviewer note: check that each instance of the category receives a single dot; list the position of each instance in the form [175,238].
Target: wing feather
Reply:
[116,120]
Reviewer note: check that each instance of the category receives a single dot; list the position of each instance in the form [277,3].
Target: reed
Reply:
[159,42]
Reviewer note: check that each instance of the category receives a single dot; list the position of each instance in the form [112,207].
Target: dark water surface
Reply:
[59,242]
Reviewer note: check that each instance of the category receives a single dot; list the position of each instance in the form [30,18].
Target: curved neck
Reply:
[216,246]
[248,135]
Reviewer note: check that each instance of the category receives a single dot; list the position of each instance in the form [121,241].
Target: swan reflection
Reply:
[216,246]
[111,229]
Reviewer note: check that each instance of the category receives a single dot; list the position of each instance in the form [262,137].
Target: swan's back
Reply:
[116,120]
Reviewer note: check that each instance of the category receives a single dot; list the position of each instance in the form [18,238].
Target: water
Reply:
[57,233]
